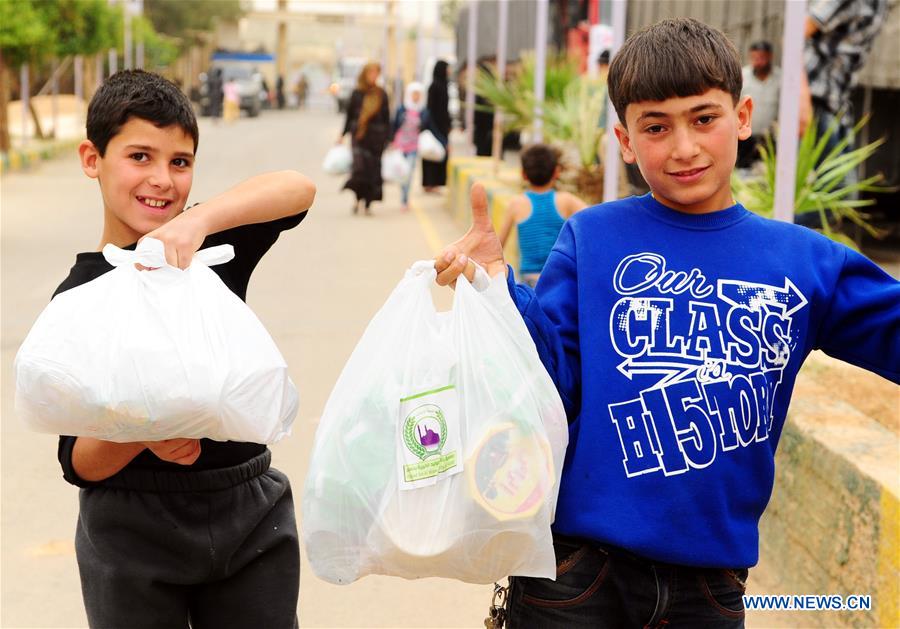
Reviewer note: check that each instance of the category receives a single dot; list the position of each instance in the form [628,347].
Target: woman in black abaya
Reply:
[434,174]
[368,122]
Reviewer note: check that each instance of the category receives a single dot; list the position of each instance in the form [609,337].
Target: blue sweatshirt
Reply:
[674,341]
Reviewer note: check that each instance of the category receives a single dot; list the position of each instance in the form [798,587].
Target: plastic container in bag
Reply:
[441,446]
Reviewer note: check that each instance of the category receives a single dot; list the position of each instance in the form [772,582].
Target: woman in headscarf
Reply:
[407,125]
[368,122]
[434,174]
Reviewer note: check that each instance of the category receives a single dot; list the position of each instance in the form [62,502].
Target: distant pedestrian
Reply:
[214,85]
[483,120]
[368,123]
[539,214]
[437,120]
[232,99]
[839,36]
[279,91]
[302,89]
[407,125]
[762,83]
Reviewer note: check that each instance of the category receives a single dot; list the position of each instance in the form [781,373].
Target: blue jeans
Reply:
[404,188]
[601,587]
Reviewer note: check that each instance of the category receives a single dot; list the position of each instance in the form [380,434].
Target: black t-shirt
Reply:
[250,243]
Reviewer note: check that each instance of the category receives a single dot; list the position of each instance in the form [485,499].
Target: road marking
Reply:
[428,229]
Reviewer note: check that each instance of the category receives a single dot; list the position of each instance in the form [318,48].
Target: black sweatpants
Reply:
[207,549]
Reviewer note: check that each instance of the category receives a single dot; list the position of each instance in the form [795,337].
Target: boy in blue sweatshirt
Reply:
[674,325]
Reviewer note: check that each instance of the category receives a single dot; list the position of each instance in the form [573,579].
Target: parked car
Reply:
[250,87]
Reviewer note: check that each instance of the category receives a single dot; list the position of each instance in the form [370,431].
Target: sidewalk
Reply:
[23,158]
[69,129]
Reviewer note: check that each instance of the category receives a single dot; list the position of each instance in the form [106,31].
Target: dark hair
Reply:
[539,162]
[761,45]
[673,58]
[137,94]
[439,73]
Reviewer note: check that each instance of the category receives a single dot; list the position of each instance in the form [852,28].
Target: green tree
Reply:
[34,31]
[177,18]
[23,36]
[160,50]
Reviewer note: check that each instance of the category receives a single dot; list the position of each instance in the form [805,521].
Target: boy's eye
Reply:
[704,120]
[139,157]
[181,162]
[656,128]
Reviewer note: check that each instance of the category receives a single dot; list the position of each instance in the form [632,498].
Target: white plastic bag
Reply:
[338,160]
[430,147]
[150,355]
[394,166]
[441,446]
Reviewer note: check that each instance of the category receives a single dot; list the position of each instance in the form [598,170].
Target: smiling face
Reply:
[145,177]
[686,147]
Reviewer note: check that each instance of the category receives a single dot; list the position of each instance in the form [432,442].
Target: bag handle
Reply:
[480,283]
[151,253]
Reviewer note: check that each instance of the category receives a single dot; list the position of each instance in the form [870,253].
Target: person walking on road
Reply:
[407,125]
[437,120]
[368,122]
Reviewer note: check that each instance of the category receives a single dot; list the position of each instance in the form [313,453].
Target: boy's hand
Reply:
[181,451]
[181,237]
[480,244]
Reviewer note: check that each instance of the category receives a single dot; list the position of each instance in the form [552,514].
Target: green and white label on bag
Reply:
[428,447]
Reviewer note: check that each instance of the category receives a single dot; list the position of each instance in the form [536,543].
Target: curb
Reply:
[23,159]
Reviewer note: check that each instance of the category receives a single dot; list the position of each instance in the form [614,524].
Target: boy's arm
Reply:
[94,460]
[551,316]
[862,323]
[260,199]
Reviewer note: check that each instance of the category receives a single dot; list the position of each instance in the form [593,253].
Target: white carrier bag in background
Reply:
[150,355]
[338,160]
[394,166]
[441,446]
[430,148]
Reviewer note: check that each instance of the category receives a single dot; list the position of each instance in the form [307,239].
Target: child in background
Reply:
[232,96]
[540,212]
[407,125]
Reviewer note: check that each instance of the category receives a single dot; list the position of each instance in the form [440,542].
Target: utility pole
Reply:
[611,159]
[540,69]
[471,52]
[502,22]
[282,45]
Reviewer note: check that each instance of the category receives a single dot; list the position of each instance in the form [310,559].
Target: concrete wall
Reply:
[833,523]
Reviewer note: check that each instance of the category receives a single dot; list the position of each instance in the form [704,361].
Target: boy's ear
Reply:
[628,155]
[89,156]
[745,116]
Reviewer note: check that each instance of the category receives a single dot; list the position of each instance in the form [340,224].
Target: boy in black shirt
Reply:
[184,530]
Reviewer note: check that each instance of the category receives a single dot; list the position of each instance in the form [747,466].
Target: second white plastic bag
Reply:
[150,355]
[394,166]
[338,160]
[430,147]
[441,446]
